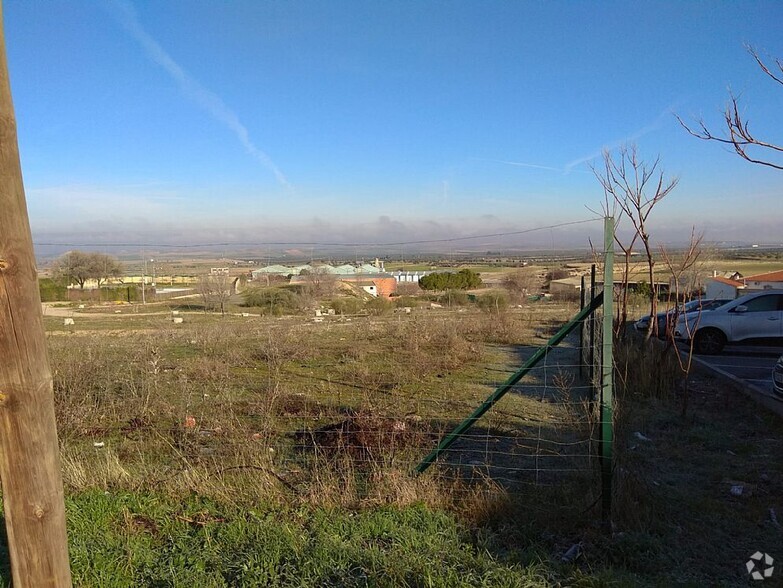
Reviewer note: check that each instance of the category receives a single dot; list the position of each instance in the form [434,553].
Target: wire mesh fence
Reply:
[344,407]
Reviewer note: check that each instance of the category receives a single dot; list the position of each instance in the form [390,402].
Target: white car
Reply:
[753,316]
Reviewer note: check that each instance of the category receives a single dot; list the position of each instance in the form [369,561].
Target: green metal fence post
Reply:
[606,375]
[582,331]
[591,335]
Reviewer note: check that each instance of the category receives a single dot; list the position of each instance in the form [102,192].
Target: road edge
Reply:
[765,398]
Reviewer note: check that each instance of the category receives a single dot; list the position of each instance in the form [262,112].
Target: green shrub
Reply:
[464,279]
[493,301]
[379,306]
[276,301]
[454,298]
[347,305]
[403,301]
[52,290]
[121,294]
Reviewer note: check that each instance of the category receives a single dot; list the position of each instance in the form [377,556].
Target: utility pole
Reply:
[33,499]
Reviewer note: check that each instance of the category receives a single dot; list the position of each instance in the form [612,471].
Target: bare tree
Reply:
[215,290]
[737,127]
[632,188]
[521,282]
[319,282]
[680,266]
[104,267]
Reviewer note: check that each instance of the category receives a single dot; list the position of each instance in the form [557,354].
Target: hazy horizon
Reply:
[177,122]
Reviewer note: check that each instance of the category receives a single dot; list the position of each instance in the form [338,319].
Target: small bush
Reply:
[454,298]
[52,290]
[379,306]
[276,301]
[347,305]
[493,302]
[403,301]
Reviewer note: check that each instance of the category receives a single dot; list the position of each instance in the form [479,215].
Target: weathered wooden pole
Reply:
[29,454]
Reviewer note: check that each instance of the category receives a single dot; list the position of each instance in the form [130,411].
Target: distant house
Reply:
[731,287]
[720,287]
[378,284]
[767,281]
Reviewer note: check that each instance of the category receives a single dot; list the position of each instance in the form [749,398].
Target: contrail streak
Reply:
[205,98]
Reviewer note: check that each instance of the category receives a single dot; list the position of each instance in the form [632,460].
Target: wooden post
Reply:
[29,453]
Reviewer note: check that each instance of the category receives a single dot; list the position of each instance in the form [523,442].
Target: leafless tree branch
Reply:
[632,188]
[738,133]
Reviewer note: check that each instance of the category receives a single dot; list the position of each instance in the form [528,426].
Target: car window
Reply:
[713,304]
[765,303]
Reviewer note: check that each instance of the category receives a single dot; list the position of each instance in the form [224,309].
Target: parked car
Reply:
[666,319]
[753,316]
[777,377]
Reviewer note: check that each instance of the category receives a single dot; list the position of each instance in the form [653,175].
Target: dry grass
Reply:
[339,411]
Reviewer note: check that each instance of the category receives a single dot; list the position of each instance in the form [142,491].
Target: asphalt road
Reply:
[748,366]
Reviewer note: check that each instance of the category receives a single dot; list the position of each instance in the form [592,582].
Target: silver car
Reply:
[753,316]
[666,319]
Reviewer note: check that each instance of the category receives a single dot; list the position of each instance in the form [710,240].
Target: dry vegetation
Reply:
[201,426]
[243,409]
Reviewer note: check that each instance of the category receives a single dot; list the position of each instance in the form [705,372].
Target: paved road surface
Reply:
[749,366]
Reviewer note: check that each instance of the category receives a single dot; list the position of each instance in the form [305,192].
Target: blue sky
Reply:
[197,120]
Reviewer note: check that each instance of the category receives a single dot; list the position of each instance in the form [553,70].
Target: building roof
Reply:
[728,281]
[273,269]
[345,270]
[768,277]
[374,276]
[575,282]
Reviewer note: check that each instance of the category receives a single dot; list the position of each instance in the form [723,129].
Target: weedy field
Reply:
[253,451]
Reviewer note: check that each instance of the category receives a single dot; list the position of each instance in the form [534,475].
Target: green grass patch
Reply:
[124,539]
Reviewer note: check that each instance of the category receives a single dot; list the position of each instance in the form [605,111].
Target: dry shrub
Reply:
[244,483]
[234,380]
[436,345]
[96,383]
[280,344]
[646,369]
[206,369]
[366,438]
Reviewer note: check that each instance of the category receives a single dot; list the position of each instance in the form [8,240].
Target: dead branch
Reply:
[738,133]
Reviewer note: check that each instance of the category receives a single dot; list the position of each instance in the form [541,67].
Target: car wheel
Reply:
[709,341]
